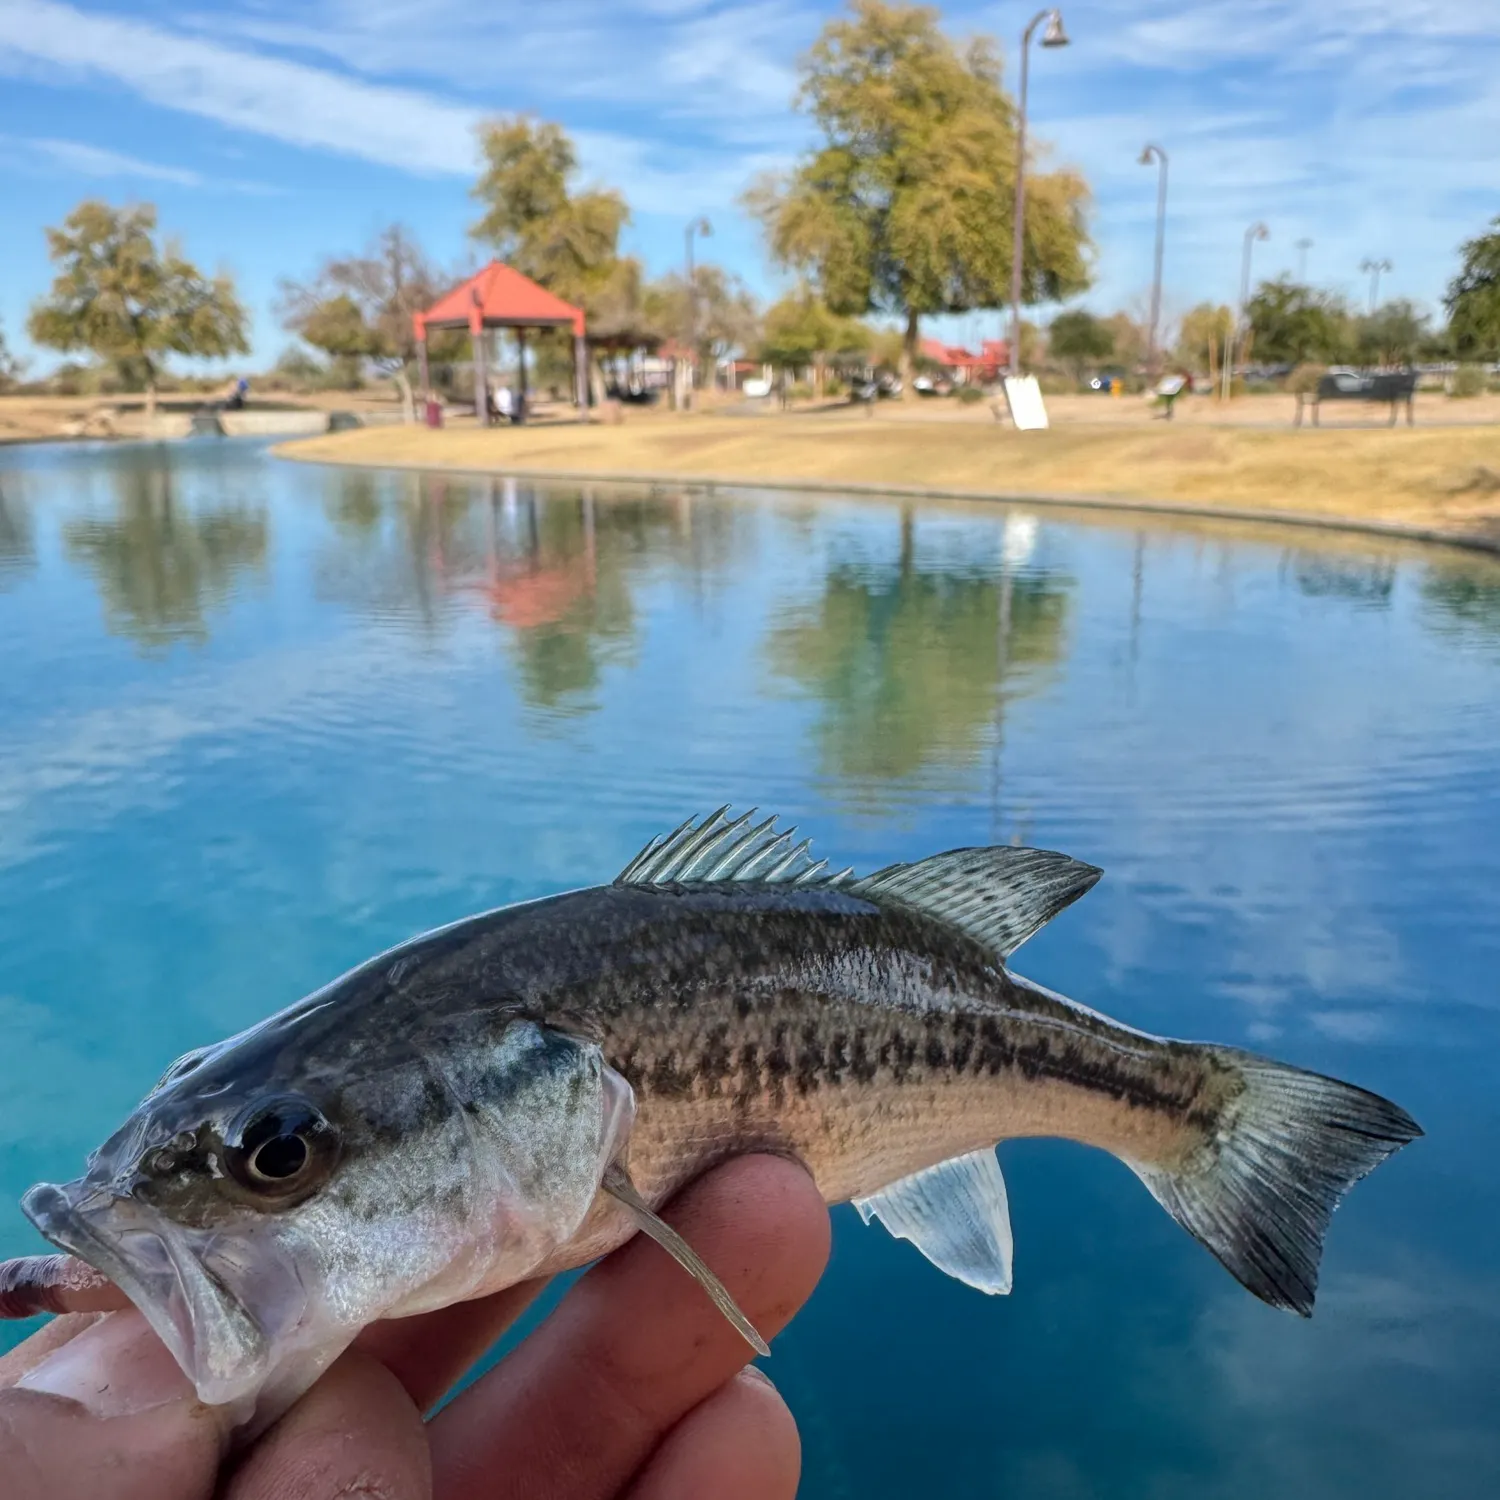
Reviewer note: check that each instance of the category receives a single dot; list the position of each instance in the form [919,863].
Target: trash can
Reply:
[434,413]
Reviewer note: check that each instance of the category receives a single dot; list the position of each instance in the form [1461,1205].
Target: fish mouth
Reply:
[168,1272]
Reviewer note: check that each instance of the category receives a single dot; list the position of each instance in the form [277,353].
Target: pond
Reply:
[259,720]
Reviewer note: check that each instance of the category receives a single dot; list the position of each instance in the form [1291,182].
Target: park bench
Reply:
[1395,388]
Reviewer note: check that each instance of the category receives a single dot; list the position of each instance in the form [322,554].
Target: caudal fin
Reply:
[1292,1145]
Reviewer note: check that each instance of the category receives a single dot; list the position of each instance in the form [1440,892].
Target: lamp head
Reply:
[1054,35]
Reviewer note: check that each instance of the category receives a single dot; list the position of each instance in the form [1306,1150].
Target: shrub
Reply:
[1303,381]
[969,394]
[1468,380]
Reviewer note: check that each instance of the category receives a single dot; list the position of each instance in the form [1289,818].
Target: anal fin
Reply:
[957,1214]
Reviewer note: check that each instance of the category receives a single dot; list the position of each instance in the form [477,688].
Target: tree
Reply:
[1392,334]
[906,206]
[1473,299]
[11,365]
[1203,336]
[127,299]
[566,240]
[1130,338]
[799,331]
[725,316]
[1294,324]
[360,306]
[1079,339]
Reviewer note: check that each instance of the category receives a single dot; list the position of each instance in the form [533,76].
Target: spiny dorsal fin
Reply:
[998,896]
[714,849]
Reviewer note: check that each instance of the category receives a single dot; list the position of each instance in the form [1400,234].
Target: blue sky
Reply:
[273,131]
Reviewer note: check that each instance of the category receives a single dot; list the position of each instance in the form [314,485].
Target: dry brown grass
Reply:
[1419,477]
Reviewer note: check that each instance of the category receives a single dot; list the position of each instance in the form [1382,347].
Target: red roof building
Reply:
[963,364]
[499,296]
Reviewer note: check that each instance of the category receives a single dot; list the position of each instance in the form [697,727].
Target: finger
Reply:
[107,1415]
[35,1284]
[53,1334]
[740,1444]
[635,1345]
[430,1353]
[355,1433]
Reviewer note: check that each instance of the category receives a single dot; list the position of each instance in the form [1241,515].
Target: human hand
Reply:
[635,1386]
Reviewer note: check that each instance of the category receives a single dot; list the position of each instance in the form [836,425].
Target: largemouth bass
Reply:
[513,1095]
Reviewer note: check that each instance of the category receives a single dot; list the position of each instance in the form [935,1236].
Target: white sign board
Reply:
[1024,397]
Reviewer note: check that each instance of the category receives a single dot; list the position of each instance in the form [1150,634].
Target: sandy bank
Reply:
[1441,483]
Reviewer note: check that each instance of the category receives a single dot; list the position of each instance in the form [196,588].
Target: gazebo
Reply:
[501,297]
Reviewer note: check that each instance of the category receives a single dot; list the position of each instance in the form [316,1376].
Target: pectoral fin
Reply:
[956,1214]
[620,1187]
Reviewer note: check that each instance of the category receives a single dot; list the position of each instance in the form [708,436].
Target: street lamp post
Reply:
[1147,155]
[1256,231]
[1054,36]
[698,226]
[1303,246]
[1374,268]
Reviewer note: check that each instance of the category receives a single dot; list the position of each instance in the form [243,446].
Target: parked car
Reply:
[932,385]
[756,389]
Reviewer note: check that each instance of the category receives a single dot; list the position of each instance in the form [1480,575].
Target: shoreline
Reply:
[682,443]
[1126,504]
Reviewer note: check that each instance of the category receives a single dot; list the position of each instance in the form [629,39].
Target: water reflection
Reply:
[1462,594]
[17,539]
[1321,577]
[557,571]
[160,564]
[911,661]
[1293,797]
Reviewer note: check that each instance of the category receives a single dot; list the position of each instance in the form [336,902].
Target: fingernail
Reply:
[117,1368]
[754,1372]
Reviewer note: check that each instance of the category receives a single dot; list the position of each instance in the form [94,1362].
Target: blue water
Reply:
[259,720]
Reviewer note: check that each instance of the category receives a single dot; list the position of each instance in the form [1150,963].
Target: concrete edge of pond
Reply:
[1306,520]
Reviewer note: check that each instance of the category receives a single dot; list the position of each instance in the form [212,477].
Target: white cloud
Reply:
[313,107]
[97,161]
[283,100]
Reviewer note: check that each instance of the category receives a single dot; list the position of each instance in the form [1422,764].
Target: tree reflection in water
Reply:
[162,565]
[17,538]
[913,662]
[556,569]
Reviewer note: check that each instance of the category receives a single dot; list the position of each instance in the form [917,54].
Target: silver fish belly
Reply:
[515,1094]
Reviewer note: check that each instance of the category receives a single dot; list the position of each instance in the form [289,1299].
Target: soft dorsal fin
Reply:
[957,1214]
[999,896]
[714,849]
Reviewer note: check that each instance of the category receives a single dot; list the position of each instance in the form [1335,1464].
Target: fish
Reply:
[518,1093]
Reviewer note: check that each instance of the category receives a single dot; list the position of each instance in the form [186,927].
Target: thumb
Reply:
[108,1415]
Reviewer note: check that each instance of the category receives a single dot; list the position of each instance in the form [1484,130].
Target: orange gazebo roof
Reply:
[499,297]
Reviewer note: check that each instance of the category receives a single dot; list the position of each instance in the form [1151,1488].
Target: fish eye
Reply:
[280,1147]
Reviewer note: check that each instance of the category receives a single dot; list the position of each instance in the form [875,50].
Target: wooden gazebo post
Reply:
[581,375]
[481,375]
[521,369]
[580,369]
[424,377]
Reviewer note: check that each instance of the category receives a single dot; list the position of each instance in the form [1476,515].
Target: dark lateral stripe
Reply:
[786,1056]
